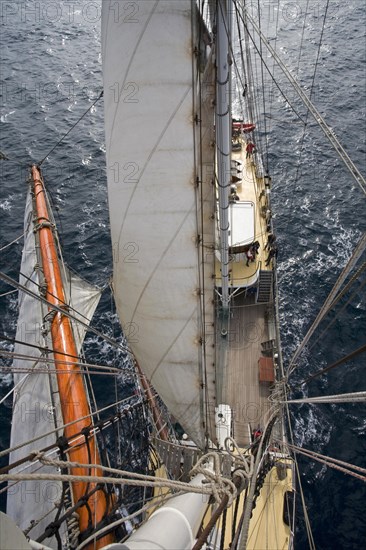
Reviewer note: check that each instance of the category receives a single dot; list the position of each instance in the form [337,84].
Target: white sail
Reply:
[36,409]
[83,298]
[163,258]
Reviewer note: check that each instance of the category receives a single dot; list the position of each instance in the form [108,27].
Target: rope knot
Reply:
[210,467]
[36,455]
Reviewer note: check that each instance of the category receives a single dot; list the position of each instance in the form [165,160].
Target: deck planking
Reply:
[248,321]
[241,388]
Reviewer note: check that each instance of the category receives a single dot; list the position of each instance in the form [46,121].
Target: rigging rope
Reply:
[255,97]
[152,503]
[272,74]
[63,311]
[361,245]
[306,515]
[13,242]
[338,398]
[318,53]
[44,359]
[31,370]
[340,465]
[329,133]
[356,352]
[217,484]
[311,91]
[96,428]
[112,526]
[70,129]
[340,295]
[263,95]
[288,102]
[4,157]
[7,293]
[66,304]
[63,426]
[248,505]
[336,300]
[302,38]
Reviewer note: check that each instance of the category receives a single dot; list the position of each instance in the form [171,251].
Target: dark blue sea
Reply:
[51,74]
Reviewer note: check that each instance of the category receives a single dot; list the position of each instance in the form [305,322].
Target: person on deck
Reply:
[250,256]
[272,254]
[256,246]
[271,240]
[250,148]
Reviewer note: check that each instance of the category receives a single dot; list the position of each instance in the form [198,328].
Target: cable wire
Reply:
[72,127]
[328,132]
[358,251]
[311,92]
[62,310]
[344,359]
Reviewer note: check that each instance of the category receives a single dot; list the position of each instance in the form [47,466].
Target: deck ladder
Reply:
[264,292]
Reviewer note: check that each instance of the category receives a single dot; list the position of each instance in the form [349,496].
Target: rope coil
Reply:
[218,484]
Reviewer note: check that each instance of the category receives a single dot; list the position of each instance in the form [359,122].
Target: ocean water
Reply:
[51,74]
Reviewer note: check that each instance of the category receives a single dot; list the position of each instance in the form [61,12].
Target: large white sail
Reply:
[156,142]
[36,408]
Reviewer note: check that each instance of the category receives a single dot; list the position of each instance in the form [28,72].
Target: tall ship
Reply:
[200,453]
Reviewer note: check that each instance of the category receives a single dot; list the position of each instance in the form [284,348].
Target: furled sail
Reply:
[36,408]
[159,101]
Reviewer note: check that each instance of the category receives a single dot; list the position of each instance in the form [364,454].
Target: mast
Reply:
[73,397]
[161,426]
[223,141]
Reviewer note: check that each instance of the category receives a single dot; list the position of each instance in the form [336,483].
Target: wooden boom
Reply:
[73,394]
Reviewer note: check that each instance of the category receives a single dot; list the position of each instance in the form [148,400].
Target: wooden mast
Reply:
[161,427]
[73,396]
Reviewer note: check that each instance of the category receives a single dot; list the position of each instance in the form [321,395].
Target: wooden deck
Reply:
[241,388]
[248,324]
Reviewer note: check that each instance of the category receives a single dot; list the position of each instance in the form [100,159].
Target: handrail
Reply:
[256,272]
